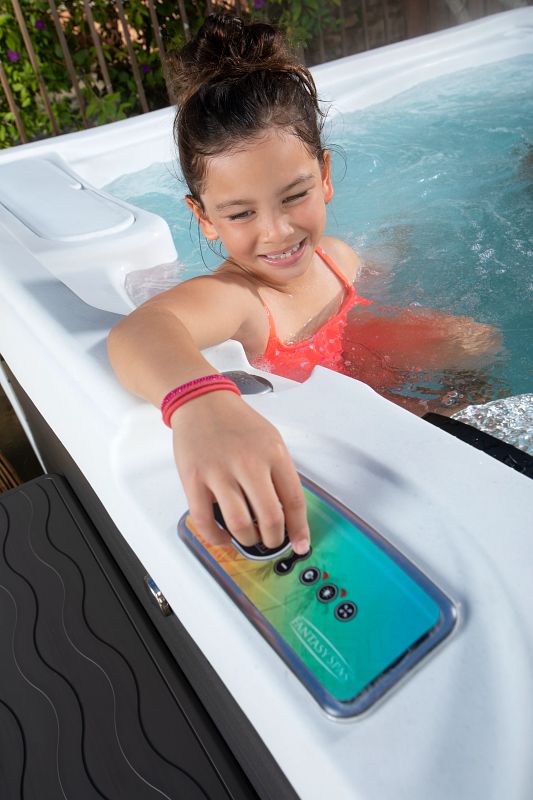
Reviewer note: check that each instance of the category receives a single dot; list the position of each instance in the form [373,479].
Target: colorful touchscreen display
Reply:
[350,618]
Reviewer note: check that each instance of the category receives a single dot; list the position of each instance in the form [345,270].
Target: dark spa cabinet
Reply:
[101,694]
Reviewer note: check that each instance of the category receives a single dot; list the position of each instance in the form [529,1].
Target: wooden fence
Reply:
[357,25]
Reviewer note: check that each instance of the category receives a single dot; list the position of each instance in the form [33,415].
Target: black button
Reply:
[283,566]
[346,611]
[310,575]
[327,593]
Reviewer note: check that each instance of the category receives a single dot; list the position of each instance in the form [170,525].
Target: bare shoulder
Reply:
[213,308]
[344,257]
[204,289]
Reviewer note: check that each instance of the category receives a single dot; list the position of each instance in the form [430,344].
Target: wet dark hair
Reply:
[233,82]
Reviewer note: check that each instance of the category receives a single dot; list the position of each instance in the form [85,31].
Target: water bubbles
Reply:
[451,398]
[487,255]
[142,284]
[509,419]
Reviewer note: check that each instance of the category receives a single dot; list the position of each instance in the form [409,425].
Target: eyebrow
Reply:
[244,202]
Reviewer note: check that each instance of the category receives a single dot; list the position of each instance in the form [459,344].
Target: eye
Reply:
[294,197]
[240,215]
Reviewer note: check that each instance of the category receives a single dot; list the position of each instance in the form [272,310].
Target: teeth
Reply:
[285,254]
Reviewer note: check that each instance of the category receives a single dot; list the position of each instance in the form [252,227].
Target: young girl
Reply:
[248,129]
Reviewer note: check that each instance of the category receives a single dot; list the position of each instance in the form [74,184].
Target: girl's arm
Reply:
[224,450]
[421,351]
[423,338]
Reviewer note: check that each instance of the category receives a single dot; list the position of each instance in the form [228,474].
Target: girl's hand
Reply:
[476,339]
[226,451]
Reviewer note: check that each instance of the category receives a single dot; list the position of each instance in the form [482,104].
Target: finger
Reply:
[268,511]
[291,494]
[237,514]
[201,511]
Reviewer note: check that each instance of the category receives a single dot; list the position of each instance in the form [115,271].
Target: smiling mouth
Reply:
[285,255]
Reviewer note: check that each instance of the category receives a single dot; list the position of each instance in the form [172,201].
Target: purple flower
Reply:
[13,56]
[259,4]
[39,24]
[146,68]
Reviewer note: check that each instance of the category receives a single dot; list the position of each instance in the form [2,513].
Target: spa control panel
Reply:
[350,618]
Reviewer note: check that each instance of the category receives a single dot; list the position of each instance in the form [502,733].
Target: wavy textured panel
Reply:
[84,709]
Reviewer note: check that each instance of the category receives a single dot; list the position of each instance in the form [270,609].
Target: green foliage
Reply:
[107,108]
[302,20]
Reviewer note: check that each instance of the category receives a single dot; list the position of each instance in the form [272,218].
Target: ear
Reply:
[327,186]
[208,229]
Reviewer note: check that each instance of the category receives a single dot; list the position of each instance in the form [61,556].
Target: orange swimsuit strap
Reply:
[296,360]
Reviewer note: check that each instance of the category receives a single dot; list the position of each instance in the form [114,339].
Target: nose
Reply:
[276,227]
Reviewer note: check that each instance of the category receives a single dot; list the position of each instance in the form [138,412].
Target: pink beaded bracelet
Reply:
[185,387]
[180,398]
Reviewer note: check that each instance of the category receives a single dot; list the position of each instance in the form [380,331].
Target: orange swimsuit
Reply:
[324,347]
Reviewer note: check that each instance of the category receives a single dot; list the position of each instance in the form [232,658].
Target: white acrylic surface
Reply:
[83,236]
[54,205]
[461,726]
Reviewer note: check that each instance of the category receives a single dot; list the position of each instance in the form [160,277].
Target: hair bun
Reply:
[220,26]
[225,48]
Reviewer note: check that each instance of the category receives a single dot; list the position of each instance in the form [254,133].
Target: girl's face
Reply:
[266,202]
